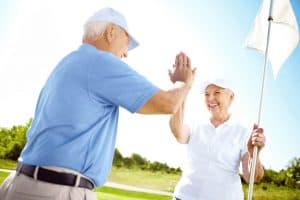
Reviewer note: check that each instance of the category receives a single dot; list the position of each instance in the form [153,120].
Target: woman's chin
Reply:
[214,112]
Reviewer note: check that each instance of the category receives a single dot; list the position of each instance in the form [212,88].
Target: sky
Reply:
[35,35]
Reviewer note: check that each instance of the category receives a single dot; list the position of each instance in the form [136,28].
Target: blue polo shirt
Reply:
[76,117]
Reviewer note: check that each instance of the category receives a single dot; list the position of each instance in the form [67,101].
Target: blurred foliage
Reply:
[137,161]
[13,140]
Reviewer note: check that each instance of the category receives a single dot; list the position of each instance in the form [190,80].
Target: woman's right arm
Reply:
[180,131]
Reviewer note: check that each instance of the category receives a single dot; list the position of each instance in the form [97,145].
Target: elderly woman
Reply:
[216,148]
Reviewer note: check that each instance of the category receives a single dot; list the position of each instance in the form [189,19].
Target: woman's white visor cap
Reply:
[220,82]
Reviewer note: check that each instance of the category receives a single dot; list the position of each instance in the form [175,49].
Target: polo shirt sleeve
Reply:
[113,82]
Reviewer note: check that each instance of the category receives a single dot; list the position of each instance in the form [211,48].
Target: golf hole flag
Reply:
[284,34]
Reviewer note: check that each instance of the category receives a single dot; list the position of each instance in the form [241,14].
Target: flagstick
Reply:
[255,151]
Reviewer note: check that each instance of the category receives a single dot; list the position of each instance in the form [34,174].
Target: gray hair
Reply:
[94,29]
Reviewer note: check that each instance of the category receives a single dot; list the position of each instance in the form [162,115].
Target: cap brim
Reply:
[133,43]
[205,84]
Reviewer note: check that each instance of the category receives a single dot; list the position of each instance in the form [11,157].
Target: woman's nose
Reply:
[211,97]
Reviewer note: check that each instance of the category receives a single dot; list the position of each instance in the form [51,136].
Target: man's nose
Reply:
[125,55]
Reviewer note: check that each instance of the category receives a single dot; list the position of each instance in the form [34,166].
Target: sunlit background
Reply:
[35,35]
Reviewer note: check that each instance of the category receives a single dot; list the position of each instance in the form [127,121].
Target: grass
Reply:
[105,193]
[7,164]
[144,179]
[265,191]
[3,175]
[165,182]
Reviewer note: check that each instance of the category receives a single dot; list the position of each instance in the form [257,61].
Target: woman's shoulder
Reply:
[237,122]
[241,128]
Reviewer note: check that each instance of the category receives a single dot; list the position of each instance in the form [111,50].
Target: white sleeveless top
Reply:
[214,156]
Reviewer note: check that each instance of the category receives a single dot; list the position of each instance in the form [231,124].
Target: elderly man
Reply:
[71,141]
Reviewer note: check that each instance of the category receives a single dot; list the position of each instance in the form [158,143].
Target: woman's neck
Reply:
[220,119]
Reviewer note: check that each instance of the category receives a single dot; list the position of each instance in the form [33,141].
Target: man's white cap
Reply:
[110,15]
[223,83]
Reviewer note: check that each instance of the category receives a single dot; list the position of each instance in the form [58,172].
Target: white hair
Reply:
[94,29]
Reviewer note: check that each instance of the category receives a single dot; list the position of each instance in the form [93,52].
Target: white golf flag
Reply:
[284,33]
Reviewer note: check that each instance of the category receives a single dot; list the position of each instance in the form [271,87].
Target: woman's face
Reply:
[218,100]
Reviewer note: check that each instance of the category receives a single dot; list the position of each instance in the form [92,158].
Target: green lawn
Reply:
[7,164]
[105,193]
[3,175]
[265,191]
[166,182]
[145,179]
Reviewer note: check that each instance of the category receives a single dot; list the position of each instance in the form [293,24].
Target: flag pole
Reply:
[255,150]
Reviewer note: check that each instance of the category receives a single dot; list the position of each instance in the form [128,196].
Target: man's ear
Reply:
[109,33]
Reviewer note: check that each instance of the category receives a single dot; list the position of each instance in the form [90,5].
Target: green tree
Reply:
[128,163]
[12,141]
[277,178]
[293,173]
[139,160]
[118,159]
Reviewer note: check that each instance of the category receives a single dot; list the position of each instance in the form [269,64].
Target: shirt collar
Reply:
[232,120]
[87,47]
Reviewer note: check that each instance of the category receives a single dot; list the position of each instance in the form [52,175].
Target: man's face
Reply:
[217,99]
[119,42]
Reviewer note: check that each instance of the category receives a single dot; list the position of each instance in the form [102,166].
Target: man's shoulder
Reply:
[99,58]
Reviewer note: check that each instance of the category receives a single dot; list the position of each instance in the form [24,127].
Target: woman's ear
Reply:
[232,96]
